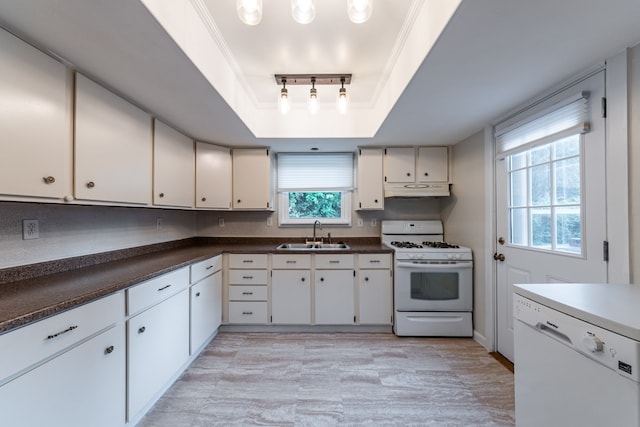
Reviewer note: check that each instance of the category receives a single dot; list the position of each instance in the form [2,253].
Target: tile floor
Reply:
[319,379]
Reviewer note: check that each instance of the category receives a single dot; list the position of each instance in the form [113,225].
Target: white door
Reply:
[550,211]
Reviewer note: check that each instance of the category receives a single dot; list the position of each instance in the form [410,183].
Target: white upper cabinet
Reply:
[35,122]
[113,147]
[412,165]
[173,167]
[370,173]
[252,179]
[213,176]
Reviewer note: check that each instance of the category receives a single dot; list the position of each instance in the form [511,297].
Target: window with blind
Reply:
[315,186]
[544,175]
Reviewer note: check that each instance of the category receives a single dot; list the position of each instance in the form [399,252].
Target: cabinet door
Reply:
[158,345]
[334,297]
[83,387]
[213,176]
[400,164]
[252,186]
[375,297]
[370,179]
[35,122]
[173,167]
[291,297]
[206,309]
[433,164]
[113,147]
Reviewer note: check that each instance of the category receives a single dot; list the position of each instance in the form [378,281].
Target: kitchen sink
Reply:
[311,246]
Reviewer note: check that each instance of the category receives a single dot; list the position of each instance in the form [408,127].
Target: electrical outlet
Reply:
[158,223]
[360,222]
[30,229]
[269,222]
[220,222]
[374,222]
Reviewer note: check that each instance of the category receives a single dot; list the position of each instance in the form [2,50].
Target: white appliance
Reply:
[433,280]
[577,355]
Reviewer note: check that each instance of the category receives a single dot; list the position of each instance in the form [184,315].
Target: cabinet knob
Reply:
[366,279]
[239,201]
[161,195]
[108,350]
[302,279]
[49,179]
[375,201]
[91,184]
[426,174]
[322,279]
[197,294]
[142,329]
[204,199]
[408,173]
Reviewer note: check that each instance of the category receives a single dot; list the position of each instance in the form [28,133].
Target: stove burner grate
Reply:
[440,245]
[406,245]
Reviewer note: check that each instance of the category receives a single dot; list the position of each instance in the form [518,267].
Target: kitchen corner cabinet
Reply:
[158,337]
[334,289]
[291,289]
[416,164]
[173,167]
[253,179]
[370,179]
[206,301]
[113,147]
[213,176]
[35,122]
[248,293]
[375,290]
[68,369]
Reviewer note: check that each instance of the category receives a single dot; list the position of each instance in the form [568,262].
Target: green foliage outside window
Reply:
[315,204]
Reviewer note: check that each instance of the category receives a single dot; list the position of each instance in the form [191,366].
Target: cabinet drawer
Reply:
[247,312]
[157,289]
[248,260]
[374,261]
[26,346]
[291,261]
[248,293]
[202,269]
[247,277]
[334,261]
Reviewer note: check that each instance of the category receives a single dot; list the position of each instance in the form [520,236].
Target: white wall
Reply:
[68,231]
[634,161]
[463,215]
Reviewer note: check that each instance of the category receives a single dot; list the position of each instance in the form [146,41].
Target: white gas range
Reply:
[433,280]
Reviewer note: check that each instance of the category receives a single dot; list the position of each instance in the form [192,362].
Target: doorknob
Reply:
[501,240]
[498,257]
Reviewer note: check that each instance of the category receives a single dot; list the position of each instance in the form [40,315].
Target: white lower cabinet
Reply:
[206,309]
[334,297]
[375,289]
[248,293]
[158,345]
[291,297]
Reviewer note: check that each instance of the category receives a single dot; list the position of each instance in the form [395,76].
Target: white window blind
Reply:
[315,172]
[562,119]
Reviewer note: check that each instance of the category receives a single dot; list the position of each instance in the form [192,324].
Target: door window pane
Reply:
[569,230]
[540,185]
[519,227]
[567,180]
[541,228]
[519,188]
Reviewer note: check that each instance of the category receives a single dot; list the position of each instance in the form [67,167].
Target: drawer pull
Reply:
[247,260]
[374,261]
[247,293]
[209,267]
[108,350]
[163,288]
[291,261]
[197,294]
[57,334]
[247,313]
[334,262]
[142,329]
[247,277]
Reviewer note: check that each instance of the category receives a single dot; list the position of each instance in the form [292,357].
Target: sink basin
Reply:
[312,246]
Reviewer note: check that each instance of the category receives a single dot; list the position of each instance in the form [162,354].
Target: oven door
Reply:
[433,286]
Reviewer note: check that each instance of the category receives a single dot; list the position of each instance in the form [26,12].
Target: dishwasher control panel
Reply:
[617,352]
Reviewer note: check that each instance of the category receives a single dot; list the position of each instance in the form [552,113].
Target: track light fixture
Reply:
[313,80]
[303,11]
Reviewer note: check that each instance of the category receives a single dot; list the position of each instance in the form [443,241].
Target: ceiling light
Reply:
[283,101]
[359,11]
[303,11]
[249,11]
[343,100]
[313,105]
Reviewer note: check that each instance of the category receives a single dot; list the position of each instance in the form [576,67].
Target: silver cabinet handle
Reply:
[209,267]
[291,261]
[163,288]
[247,261]
[247,313]
[247,293]
[247,277]
[334,262]
[374,261]
[57,334]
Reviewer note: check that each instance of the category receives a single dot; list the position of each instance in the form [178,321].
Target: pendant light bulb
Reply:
[343,100]
[313,105]
[303,11]
[249,11]
[283,100]
[359,11]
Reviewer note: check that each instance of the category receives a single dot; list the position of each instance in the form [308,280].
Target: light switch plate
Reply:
[30,229]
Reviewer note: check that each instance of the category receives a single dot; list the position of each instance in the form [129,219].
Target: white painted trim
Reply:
[617,174]
[482,340]
[490,233]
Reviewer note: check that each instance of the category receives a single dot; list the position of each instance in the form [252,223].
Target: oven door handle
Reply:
[434,266]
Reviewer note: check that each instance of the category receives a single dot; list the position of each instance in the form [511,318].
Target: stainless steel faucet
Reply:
[316,223]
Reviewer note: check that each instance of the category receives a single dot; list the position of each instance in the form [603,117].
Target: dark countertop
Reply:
[65,284]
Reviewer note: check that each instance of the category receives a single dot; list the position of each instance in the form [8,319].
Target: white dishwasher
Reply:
[577,355]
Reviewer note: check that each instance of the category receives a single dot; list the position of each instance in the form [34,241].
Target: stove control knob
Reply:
[458,256]
[592,343]
[449,256]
